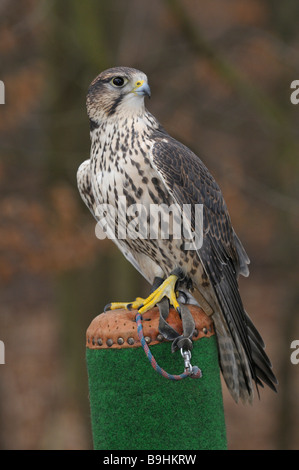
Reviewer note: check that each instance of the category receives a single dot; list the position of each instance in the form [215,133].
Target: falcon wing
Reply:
[222,254]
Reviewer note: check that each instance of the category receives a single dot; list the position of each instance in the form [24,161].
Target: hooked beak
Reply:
[142,89]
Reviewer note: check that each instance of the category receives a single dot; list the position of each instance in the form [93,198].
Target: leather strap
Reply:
[117,329]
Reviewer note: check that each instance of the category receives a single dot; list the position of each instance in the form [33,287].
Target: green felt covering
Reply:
[133,407]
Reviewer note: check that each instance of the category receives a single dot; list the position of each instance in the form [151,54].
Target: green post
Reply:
[133,407]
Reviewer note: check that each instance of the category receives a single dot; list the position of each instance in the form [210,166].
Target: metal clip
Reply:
[187,358]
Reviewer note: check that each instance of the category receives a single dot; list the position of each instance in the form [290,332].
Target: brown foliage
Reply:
[45,238]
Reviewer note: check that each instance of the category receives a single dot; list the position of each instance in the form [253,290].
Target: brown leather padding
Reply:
[117,329]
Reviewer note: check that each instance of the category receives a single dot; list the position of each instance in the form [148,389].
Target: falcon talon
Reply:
[125,305]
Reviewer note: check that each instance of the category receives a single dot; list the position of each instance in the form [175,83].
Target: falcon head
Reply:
[119,89]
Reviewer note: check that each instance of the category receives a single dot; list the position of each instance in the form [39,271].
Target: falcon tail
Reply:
[240,370]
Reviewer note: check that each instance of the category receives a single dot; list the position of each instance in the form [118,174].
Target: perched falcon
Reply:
[133,159]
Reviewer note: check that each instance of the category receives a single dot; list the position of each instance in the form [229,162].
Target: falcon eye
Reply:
[118,81]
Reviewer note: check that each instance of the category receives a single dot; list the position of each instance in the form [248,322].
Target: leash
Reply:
[190,371]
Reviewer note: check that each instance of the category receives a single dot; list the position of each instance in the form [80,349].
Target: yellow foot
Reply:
[126,305]
[166,289]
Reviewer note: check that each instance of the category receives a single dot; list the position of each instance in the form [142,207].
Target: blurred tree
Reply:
[82,293]
[279,172]
[220,77]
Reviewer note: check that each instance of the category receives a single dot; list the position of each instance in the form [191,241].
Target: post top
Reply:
[117,329]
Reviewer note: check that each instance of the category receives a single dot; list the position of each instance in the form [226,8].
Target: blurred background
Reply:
[220,75]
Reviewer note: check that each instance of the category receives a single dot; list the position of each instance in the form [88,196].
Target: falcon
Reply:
[133,159]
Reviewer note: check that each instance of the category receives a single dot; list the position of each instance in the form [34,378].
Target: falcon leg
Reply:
[166,289]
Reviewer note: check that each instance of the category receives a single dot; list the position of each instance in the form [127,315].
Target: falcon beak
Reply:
[142,88]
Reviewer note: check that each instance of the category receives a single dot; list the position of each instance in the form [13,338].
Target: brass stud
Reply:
[100,342]
[120,341]
[147,339]
[109,342]
[205,330]
[160,337]
[130,341]
[93,341]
